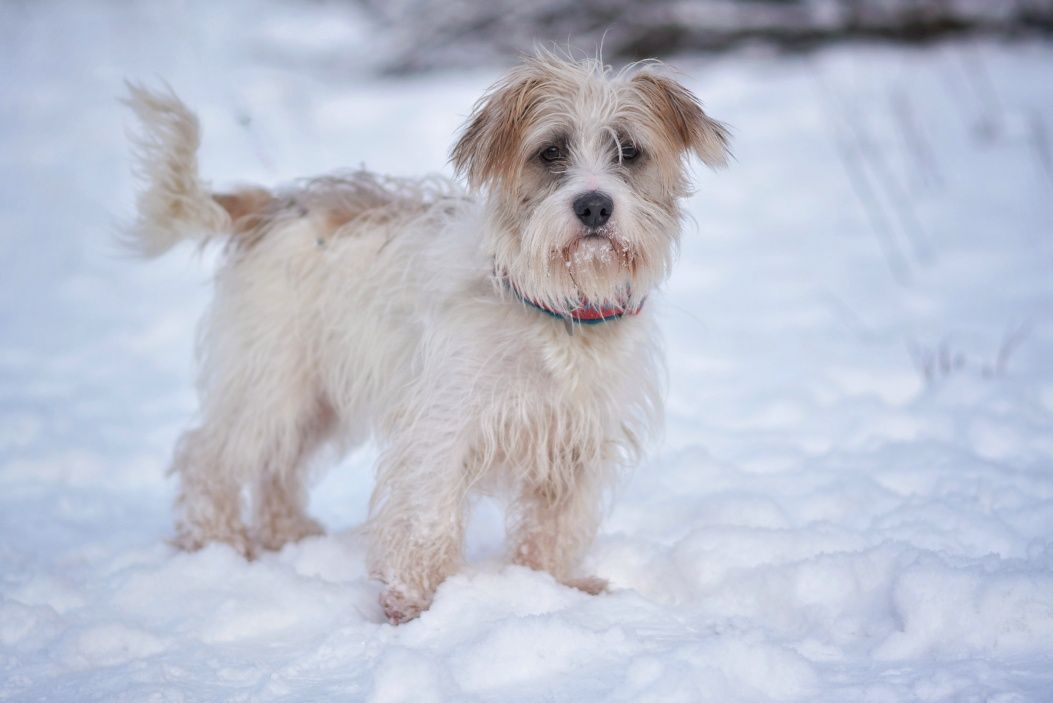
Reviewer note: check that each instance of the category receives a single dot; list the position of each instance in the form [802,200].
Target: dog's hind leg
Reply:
[209,502]
[262,418]
[256,441]
[280,494]
[280,510]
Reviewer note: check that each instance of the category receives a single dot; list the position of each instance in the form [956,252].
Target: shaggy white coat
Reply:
[358,305]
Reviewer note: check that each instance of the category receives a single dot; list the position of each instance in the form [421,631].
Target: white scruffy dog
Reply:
[491,339]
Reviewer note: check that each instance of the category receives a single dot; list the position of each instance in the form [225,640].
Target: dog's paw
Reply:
[593,585]
[274,537]
[191,541]
[400,608]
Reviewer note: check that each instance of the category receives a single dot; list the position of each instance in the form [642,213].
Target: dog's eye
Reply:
[551,153]
[629,152]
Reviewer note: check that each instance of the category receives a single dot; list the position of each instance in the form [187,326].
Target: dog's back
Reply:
[175,204]
[314,322]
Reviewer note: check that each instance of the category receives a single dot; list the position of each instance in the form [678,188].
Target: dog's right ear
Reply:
[489,151]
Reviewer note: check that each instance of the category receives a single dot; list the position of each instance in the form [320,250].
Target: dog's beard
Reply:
[600,265]
[599,248]
[559,264]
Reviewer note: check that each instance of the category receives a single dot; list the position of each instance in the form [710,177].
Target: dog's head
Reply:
[584,169]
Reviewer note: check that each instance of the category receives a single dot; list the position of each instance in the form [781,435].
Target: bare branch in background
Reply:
[851,158]
[916,145]
[1040,145]
[989,124]
[871,181]
[427,34]
[1010,343]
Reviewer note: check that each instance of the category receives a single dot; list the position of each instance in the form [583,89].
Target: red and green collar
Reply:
[583,312]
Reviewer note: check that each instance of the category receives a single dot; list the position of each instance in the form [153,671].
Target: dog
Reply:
[492,337]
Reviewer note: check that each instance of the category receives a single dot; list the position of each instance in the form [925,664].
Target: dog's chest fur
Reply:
[408,326]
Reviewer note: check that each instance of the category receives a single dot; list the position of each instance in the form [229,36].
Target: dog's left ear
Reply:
[488,150]
[682,117]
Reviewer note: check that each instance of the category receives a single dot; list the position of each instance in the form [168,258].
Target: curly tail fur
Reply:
[174,203]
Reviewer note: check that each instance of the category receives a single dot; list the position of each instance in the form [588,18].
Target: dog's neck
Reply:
[583,312]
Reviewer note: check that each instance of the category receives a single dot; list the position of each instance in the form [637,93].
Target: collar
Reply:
[584,313]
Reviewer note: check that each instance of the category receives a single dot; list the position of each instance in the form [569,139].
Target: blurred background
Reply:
[417,35]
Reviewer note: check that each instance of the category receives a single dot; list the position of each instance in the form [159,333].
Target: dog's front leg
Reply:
[550,528]
[417,526]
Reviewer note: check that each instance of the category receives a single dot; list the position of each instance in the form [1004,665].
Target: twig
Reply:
[1040,142]
[917,146]
[1010,343]
[852,158]
[979,79]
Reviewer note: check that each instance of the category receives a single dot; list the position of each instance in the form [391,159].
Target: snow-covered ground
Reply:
[854,499]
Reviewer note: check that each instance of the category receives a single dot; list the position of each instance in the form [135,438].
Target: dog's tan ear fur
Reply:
[488,151]
[682,117]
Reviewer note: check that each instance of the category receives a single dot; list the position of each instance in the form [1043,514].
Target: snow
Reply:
[854,497]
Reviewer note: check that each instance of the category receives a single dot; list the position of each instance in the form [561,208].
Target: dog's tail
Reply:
[174,203]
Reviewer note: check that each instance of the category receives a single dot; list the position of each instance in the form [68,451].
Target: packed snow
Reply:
[853,500]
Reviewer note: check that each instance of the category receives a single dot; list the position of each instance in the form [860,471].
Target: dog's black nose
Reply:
[593,208]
